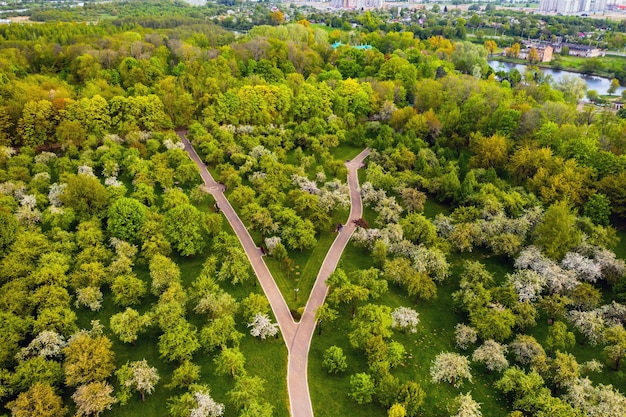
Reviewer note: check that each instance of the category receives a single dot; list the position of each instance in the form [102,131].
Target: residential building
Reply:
[543,51]
[585,51]
[573,6]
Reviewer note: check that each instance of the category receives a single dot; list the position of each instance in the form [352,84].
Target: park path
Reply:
[297,336]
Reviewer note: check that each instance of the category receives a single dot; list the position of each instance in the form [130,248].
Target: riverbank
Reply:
[605,67]
[599,84]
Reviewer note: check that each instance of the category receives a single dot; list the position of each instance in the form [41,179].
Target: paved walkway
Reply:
[297,336]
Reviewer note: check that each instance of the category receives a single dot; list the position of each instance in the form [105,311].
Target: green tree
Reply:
[87,359]
[36,127]
[186,229]
[488,152]
[126,217]
[8,230]
[230,361]
[598,209]
[128,324]
[179,342]
[324,314]
[186,374]
[591,66]
[85,195]
[163,272]
[361,388]
[37,369]
[493,322]
[12,330]
[334,360]
[246,392]
[615,338]
[127,290]
[559,338]
[254,304]
[40,400]
[613,87]
[411,396]
[557,232]
[417,228]
[371,320]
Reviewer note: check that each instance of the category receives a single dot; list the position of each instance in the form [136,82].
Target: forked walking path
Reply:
[297,336]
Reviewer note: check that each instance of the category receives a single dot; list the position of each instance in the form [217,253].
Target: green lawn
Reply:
[303,273]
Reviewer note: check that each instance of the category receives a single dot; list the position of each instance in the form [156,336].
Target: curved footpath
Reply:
[297,336]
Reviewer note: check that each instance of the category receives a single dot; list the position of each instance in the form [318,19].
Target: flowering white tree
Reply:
[86,170]
[527,283]
[271,243]
[589,323]
[94,398]
[262,326]
[113,182]
[595,401]
[526,348]
[205,405]
[260,151]
[405,318]
[170,144]
[585,269]
[388,211]
[493,355]
[47,344]
[331,197]
[137,375]
[465,406]
[613,314]
[465,335]
[557,279]
[371,195]
[591,366]
[612,268]
[305,184]
[28,214]
[90,297]
[450,367]
[54,195]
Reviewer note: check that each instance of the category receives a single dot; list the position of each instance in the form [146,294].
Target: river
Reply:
[600,84]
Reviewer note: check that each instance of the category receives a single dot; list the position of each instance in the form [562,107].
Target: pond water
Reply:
[600,84]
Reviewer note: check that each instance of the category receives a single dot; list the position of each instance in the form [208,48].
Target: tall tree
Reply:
[230,361]
[128,324]
[87,359]
[126,217]
[40,400]
[615,349]
[557,232]
[85,195]
[185,227]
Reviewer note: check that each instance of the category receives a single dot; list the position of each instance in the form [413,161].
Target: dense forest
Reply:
[486,273]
